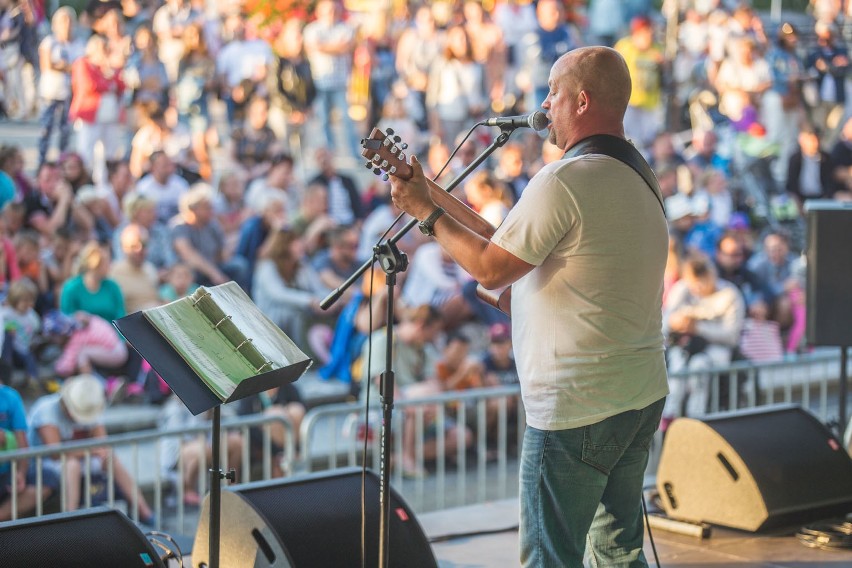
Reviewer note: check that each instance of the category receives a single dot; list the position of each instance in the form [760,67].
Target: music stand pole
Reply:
[215,491]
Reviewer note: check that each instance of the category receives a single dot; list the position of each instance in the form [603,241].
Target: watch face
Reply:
[425,229]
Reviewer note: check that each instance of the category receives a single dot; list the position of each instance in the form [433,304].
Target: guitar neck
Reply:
[459,211]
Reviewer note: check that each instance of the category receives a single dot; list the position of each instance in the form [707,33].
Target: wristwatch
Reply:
[427,225]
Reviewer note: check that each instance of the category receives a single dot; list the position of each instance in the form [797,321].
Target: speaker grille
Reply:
[319,521]
[94,538]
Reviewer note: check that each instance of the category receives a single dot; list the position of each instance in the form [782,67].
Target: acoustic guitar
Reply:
[386,156]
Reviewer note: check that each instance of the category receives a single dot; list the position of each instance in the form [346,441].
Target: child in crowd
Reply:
[22,326]
[180,282]
[28,249]
[89,341]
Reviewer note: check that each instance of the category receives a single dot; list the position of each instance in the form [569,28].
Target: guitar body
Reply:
[386,155]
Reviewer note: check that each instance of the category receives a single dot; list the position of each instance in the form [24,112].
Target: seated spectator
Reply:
[13,436]
[279,180]
[22,327]
[163,186]
[809,170]
[142,211]
[89,344]
[230,207]
[136,277]
[74,171]
[180,283]
[511,169]
[91,290]
[339,261]
[841,162]
[10,270]
[344,201]
[94,205]
[311,221]
[434,278]
[76,413]
[703,320]
[51,205]
[415,356]
[286,288]
[774,265]
[488,197]
[498,362]
[30,265]
[199,241]
[183,455]
[283,402]
[253,144]
[731,265]
[256,231]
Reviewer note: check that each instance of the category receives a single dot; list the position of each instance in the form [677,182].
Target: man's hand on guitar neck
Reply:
[412,195]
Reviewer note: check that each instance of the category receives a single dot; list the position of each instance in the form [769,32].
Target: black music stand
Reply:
[198,398]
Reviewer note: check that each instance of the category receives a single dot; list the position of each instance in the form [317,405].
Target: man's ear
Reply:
[582,102]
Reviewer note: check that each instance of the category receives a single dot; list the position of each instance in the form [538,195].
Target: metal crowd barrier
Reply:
[484,466]
[161,483]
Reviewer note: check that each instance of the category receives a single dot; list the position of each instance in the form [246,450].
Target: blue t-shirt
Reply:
[13,417]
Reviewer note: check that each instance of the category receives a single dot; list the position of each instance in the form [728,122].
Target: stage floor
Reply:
[723,548]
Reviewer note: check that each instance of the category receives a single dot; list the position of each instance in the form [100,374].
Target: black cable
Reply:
[650,534]
[170,553]
[454,536]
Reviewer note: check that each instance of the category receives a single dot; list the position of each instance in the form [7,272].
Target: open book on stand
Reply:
[220,336]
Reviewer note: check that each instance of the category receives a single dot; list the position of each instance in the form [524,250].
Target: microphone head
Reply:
[538,120]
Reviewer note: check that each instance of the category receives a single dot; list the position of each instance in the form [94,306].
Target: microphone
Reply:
[536,120]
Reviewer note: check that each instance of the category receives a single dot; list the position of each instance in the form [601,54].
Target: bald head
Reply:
[603,74]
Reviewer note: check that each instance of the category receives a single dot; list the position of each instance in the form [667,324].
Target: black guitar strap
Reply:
[621,150]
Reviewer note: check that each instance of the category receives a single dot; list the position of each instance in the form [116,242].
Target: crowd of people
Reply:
[187,143]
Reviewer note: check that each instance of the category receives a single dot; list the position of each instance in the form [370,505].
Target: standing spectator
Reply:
[96,88]
[76,413]
[286,288]
[13,436]
[829,60]
[242,65]
[291,85]
[146,72]
[742,80]
[56,54]
[11,59]
[607,21]
[163,186]
[417,49]
[198,240]
[170,23]
[516,19]
[489,49]
[195,82]
[137,278]
[91,290]
[454,95]
[344,201]
[329,44]
[782,106]
[703,319]
[541,48]
[644,58]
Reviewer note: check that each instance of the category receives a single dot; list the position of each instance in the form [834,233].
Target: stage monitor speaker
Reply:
[89,538]
[829,273]
[309,521]
[753,470]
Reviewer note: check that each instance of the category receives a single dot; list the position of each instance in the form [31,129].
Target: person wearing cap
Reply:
[588,341]
[828,60]
[76,413]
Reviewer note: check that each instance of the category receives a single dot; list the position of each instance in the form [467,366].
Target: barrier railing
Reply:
[149,442]
[467,442]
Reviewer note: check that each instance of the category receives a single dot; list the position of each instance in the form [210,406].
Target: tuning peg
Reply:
[397,139]
[377,171]
[385,164]
[404,146]
[390,131]
[369,165]
[385,177]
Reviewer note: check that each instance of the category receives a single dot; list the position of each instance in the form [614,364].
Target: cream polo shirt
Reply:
[587,320]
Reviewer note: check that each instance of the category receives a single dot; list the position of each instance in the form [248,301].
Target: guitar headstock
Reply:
[385,154]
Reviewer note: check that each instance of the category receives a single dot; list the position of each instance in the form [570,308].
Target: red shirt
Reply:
[87,84]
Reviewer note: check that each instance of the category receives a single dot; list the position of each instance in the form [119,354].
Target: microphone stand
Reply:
[393,261]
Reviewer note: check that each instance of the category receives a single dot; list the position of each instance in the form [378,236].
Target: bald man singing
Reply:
[584,250]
